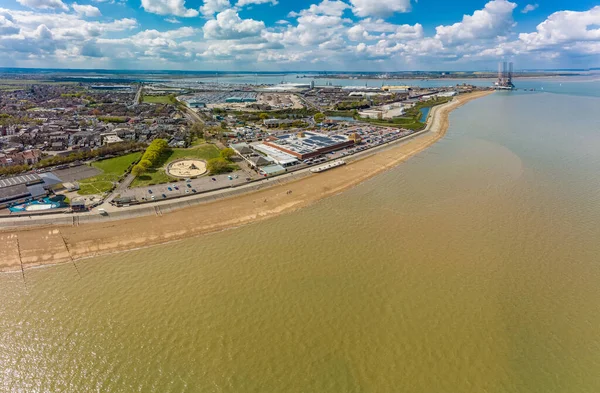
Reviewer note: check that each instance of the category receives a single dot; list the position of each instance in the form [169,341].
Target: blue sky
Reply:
[273,35]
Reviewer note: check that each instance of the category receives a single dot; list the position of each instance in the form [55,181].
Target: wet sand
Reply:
[30,247]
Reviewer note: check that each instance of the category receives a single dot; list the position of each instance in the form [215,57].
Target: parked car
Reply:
[149,191]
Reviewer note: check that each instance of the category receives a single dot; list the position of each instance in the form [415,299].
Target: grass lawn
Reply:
[198,142]
[158,100]
[117,165]
[112,168]
[158,175]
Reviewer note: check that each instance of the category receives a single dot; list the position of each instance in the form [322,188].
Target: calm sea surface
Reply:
[473,267]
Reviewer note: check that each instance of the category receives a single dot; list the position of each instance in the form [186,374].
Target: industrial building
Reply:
[308,144]
[196,103]
[231,100]
[281,157]
[24,188]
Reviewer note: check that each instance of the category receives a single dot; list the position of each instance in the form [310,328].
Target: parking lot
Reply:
[180,188]
[76,173]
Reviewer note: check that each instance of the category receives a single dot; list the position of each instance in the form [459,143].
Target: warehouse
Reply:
[308,144]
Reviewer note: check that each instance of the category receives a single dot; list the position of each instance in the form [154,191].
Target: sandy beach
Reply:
[22,248]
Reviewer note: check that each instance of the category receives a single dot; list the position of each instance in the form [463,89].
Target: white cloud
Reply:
[7,25]
[211,7]
[86,10]
[375,29]
[44,4]
[565,28]
[168,7]
[495,19]
[529,8]
[242,3]
[326,7]
[228,25]
[379,8]
[323,35]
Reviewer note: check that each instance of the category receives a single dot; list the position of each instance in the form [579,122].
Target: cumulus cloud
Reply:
[228,25]
[328,33]
[168,7]
[379,8]
[495,19]
[7,25]
[211,7]
[575,29]
[376,29]
[242,3]
[86,10]
[529,8]
[326,7]
[44,4]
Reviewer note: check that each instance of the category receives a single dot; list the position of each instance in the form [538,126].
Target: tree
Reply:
[227,154]
[218,165]
[145,164]
[319,117]
[263,116]
[137,170]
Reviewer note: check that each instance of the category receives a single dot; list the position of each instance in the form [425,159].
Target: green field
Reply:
[158,175]
[112,168]
[159,100]
[198,142]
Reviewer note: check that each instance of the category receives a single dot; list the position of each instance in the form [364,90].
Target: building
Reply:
[276,155]
[78,206]
[274,123]
[371,114]
[109,138]
[396,89]
[27,157]
[272,170]
[447,94]
[196,103]
[241,148]
[232,100]
[24,188]
[308,144]
[74,186]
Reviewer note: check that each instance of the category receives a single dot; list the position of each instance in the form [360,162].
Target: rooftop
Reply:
[308,142]
[279,156]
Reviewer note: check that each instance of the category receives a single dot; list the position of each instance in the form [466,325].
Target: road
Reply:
[138,96]
[191,114]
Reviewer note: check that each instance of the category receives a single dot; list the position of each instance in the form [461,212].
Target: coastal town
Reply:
[77,147]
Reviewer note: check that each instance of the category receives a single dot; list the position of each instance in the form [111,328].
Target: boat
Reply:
[329,166]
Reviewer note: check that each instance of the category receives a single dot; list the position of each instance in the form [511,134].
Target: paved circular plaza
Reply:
[186,168]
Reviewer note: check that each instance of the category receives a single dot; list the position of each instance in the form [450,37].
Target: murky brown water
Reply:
[474,267]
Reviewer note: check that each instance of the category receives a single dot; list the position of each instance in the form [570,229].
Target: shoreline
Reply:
[27,247]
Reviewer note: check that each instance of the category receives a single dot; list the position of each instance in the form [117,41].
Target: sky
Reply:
[299,35]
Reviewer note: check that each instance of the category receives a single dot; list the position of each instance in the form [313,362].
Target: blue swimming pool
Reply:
[44,204]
